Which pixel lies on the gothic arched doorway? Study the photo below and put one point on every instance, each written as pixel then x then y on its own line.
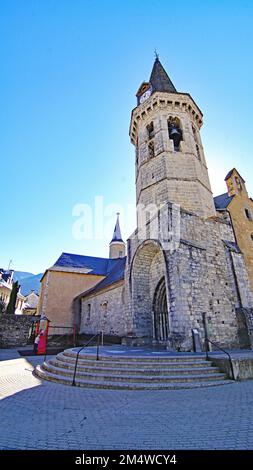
pixel 148 267
pixel 160 312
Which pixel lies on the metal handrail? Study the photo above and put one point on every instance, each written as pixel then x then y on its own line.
pixel 63 327
pixel 98 335
pixel 223 350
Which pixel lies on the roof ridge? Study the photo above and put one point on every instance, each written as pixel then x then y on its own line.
pixel 84 256
pixel 223 194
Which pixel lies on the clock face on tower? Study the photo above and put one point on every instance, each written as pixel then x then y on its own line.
pixel 145 95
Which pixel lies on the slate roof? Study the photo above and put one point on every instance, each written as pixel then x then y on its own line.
pixel 221 202
pixel 5 274
pixel 97 266
pixel 160 80
pixel 116 274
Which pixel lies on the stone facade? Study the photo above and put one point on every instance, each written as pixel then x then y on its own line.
pixel 205 274
pixel 104 311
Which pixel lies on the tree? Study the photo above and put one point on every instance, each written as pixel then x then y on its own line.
pixel 13 298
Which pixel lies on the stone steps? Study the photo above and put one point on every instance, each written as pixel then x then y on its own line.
pixel 99 367
pixel 40 372
pixel 131 372
pixel 132 378
pixel 112 362
pixel 71 353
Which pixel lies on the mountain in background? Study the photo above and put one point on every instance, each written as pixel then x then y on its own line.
pixel 20 275
pixel 28 281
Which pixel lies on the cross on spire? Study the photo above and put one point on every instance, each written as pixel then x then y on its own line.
pixel 156 54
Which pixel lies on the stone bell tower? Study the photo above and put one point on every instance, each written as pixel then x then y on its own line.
pixel 170 161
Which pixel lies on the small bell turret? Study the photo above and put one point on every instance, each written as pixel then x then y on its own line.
pixel 117 245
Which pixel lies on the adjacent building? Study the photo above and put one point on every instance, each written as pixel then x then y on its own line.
pixel 6 283
pixel 31 303
pixel 68 277
pixel 236 205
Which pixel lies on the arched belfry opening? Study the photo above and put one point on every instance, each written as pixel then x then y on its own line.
pixel 149 299
pixel 160 312
pixel 175 132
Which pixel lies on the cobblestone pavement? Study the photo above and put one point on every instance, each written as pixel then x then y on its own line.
pixel 44 415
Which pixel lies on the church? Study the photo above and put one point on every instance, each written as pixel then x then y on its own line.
pixel 182 273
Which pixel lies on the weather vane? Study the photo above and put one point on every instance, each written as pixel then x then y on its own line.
pixel 156 54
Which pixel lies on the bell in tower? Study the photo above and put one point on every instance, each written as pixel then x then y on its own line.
pixel 175 134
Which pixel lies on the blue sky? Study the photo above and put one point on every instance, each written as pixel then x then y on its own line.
pixel 69 74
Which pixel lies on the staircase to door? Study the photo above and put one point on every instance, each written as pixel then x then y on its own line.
pixel 115 371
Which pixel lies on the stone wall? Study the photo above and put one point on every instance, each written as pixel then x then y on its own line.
pixel 242 366
pixel 104 311
pixel 14 330
pixel 203 275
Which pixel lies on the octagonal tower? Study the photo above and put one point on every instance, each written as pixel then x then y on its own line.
pixel 170 161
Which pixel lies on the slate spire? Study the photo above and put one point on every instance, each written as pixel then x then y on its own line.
pixel 117 232
pixel 159 78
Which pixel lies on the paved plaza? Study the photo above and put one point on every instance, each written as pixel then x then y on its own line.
pixel 44 415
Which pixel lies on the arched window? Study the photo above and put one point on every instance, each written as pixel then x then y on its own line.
pixel 251 236
pixel 238 183
pixel 136 155
pixel 151 132
pixel 151 135
pixel 196 141
pixel 248 214
pixel 198 152
pixel 151 149
pixel 175 132
pixel 194 134
pixel 137 151
pixel 88 312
